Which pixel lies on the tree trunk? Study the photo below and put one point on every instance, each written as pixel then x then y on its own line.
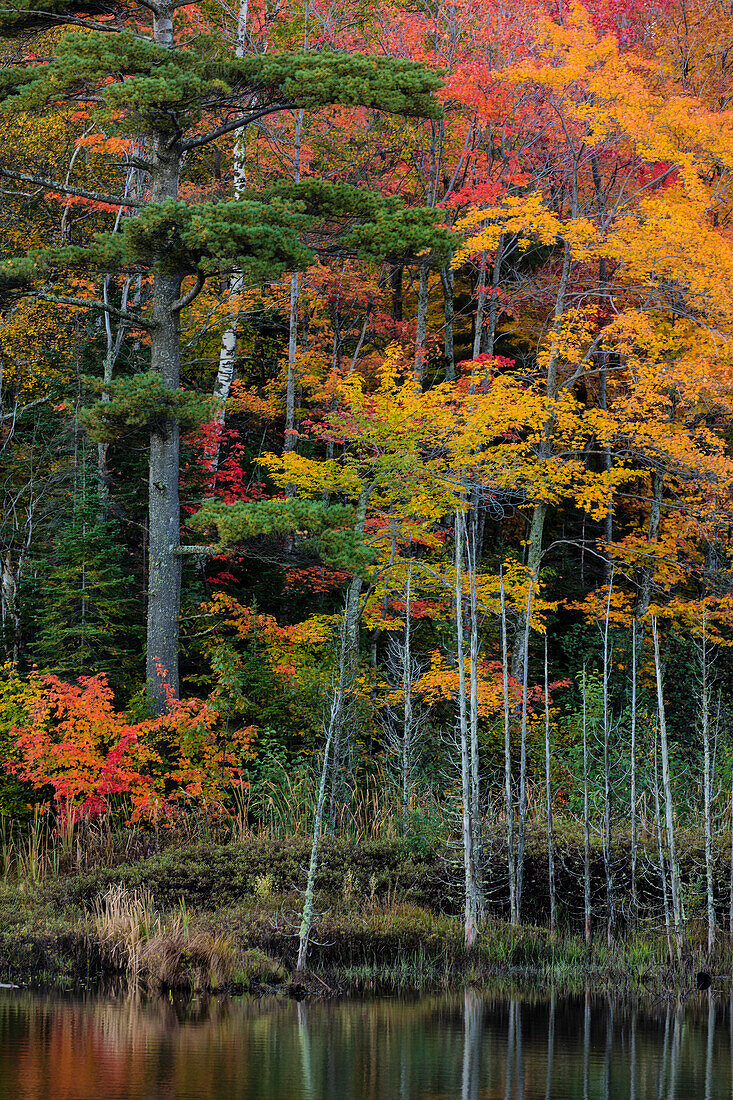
pixel 476 824
pixel 334 723
pixel 291 441
pixel 539 512
pixel 523 757
pixel 610 900
pixel 407 688
pixel 471 893
pixel 480 306
pixel 423 295
pixel 228 348
pixel 446 279
pixel 660 850
pixel 668 807
pixel 488 332
pixel 586 828
pixel 164 520
pixel 708 782
pixel 548 796
pixel 632 780
pixel 647 571
pixel 508 793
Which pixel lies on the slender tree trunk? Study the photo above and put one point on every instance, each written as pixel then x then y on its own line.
pixel 548 794
pixel 446 278
pixel 476 823
pixel 731 887
pixel 708 782
pixel 228 348
pixel 471 894
pixel 407 687
pixel 353 618
pixel 610 902
pixel 488 332
pixel 647 571
pixel 523 757
pixel 632 784
pixel 586 826
pixel 660 850
pixel 668 807
pixel 334 723
pixel 290 441
pixel 539 512
pixel 508 793
pixel 423 295
pixel 534 558
pixel 480 305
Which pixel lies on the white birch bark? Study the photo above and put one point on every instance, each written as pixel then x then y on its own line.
pixel 708 781
pixel 632 790
pixel 334 724
pixel 586 826
pixel 548 799
pixel 508 793
pixel 471 896
pixel 668 805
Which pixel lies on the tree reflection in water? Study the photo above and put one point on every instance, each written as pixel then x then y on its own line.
pixel 474 1046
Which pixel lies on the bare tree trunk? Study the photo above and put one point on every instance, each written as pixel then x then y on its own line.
pixel 632 791
pixel 647 571
pixel 407 687
pixel 610 903
pixel 523 756
pixel 353 618
pixel 228 348
pixel 508 793
pixel 539 512
pixel 660 849
pixel 488 334
pixel 708 781
pixel 668 807
pixel 446 278
pixel 480 305
pixel 731 891
pixel 291 441
pixel 471 546
pixel 423 295
pixel 548 794
pixel 334 723
pixel 471 894
pixel 586 827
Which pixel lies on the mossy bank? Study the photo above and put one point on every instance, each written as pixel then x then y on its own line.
pixel 225 917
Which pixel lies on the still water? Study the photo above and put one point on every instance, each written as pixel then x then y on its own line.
pixel 468 1047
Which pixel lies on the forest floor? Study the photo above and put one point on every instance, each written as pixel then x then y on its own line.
pixel 208 917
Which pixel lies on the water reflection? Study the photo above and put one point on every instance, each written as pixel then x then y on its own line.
pixel 470 1047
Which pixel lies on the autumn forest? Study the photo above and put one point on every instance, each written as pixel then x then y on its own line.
pixel 366 384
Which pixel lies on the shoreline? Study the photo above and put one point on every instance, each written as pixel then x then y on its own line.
pixel 223 918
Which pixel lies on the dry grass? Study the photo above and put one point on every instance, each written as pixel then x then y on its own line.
pixel 160 953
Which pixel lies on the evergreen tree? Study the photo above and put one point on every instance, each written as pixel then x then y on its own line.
pixel 142 78
pixel 86 618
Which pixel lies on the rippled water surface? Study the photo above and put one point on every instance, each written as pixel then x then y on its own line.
pixel 469 1047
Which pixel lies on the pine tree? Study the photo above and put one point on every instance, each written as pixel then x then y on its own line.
pixel 86 620
pixel 138 75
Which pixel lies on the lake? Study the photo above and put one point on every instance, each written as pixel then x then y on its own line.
pixel 468 1047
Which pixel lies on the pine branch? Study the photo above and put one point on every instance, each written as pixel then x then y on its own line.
pixel 192 294
pixel 235 124
pixel 89 303
pixel 67 189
